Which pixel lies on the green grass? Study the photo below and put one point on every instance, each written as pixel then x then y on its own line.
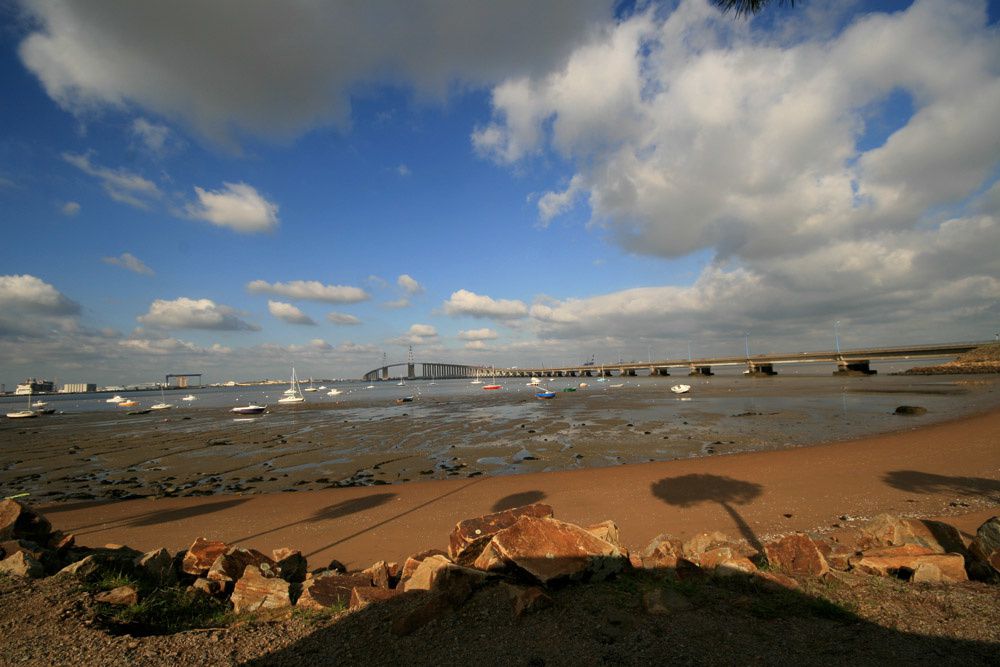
pixel 165 611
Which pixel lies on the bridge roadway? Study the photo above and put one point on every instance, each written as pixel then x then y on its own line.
pixel 849 362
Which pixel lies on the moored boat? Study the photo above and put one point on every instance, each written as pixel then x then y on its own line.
pixel 681 388
pixel 249 409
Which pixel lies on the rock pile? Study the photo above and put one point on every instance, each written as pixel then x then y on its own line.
pixel 525 550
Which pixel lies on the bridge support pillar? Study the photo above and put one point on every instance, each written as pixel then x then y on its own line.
pixel 760 370
pixel 385 373
pixel 856 367
pixel 701 370
pixel 585 373
pixel 660 372
pixel 605 373
pixel 410 374
pixel 571 374
pixel 627 372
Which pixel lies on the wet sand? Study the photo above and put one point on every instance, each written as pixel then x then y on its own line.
pixel 946 469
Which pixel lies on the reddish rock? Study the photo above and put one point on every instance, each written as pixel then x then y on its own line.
pixel 527 599
pixel 951 566
pixel 607 531
pixel 290 564
pixel 254 592
pixel 17 521
pixel 926 573
pixel 21 564
pixel 231 565
pixel 11 547
pixel 379 573
pixel 547 549
pixel 985 545
pixel 158 564
pixel 901 550
pixel 330 589
pixel 776 580
pixel 201 555
pixel 635 561
pixel 362 596
pixel 61 542
pixel 209 586
pixel 837 555
pixel 702 542
pixel 662 552
pixel 470 536
pixel 796 554
pixel 886 530
pixel 723 561
pixel 123 596
pixel 414 561
pixel 437 573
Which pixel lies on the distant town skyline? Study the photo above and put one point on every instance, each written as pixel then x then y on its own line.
pixel 234 189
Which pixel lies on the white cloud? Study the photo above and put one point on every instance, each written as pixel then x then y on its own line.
pixel 418 334
pixel 152 135
pixel 129 261
pixel 403 170
pixel 94 55
pixel 310 290
pixel 343 319
pixel 477 334
pixel 237 206
pixel 397 303
pixel 185 313
pixel 121 185
pixel 409 285
pixel 30 306
pixel 476 345
pixel 552 204
pixel 423 331
pixel 464 302
pixel 288 313
pixel 70 208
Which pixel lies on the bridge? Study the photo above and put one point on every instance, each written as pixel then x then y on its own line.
pixel 849 362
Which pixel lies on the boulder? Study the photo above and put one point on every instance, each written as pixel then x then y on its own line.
pixel 777 581
pixel 17 521
pixel 290 564
pixel 413 562
pixel 607 531
pixel 662 552
pixel 527 599
pixel 201 555
pixel 903 562
pixel 985 545
pixel 910 410
pixel 21 564
pixel 470 536
pixel 231 565
pixel 362 596
pixel 254 592
pixel 927 573
pixel 379 573
pixel 157 564
pixel 702 542
pixel 83 569
pixel 796 554
pixel 123 596
pixel 437 573
pixel 886 530
pixel 11 547
pixel 838 556
pixel 330 589
pixel 61 542
pixel 547 549
pixel 723 561
pixel 209 587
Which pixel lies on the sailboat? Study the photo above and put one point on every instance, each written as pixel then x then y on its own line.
pixel 162 405
pixel 293 394
pixel 494 386
pixel 477 380
pixel 310 387
pixel 23 414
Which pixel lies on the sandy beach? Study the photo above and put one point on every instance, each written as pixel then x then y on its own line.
pixel 947 469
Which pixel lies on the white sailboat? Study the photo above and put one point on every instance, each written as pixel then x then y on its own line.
pixel 310 387
pixel 23 414
pixel 477 380
pixel 293 394
pixel 190 397
pixel 162 405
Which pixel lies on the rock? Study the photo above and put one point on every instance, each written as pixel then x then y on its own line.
pixel 903 561
pixel 838 556
pixel 330 589
pixel 662 552
pixel 362 596
pixel 60 542
pixel 253 592
pixel 11 547
pixel 985 545
pixel 607 531
pixel 231 565
pixel 17 521
pixel 157 564
pixel 201 555
pixel 777 581
pixel 123 596
pixel 547 549
pixel 336 566
pixel 926 573
pixel 470 536
pixel 290 564
pixel 379 573
pixel 414 561
pixel 437 573
pixel 82 569
pixel 910 410
pixel 527 599
pixel 21 564
pixel 703 542
pixel 886 530
pixel 722 561
pixel 796 554
pixel 209 587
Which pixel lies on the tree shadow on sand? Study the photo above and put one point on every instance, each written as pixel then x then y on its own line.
pixel 690 490
pixel 915 481
pixel 351 506
pixel 518 500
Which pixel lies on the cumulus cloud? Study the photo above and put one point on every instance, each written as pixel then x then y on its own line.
pixel 121 185
pixel 478 334
pixel 108 54
pixel 70 208
pixel 152 136
pixel 288 313
pixel 185 313
pixel 418 334
pixel 396 304
pixel 237 206
pixel 310 290
pixel 343 319
pixel 423 331
pixel 464 302
pixel 409 285
pixel 127 260
pixel 30 306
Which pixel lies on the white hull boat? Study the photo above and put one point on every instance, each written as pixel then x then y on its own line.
pixel 293 394
pixel 681 388
pixel 249 409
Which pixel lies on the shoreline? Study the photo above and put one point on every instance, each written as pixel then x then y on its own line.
pixel 915 472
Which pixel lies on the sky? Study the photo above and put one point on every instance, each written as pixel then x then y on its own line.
pixel 235 188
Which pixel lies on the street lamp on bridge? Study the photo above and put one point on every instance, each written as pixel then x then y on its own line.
pixel 747 338
pixel 836 336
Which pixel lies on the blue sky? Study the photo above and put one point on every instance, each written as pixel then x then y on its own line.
pixel 206 187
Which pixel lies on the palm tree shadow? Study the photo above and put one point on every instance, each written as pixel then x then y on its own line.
pixel 915 481
pixel 690 490
pixel 351 506
pixel 518 500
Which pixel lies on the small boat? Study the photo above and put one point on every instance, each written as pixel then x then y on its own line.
pixel 310 387
pixel 534 381
pixel 494 386
pixel 249 409
pixel 293 394
pixel 39 404
pixel 128 403
pixel 405 399
pixel 545 394
pixel 162 405
pixel 401 383
pixel 139 412
pixel 334 392
pixel 22 414
pixel 371 386
pixel 46 411
pixel 115 399
pixel 190 397
pixel 681 388
pixel 322 387
pixel 569 388
pixel 615 386
pixel 584 385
